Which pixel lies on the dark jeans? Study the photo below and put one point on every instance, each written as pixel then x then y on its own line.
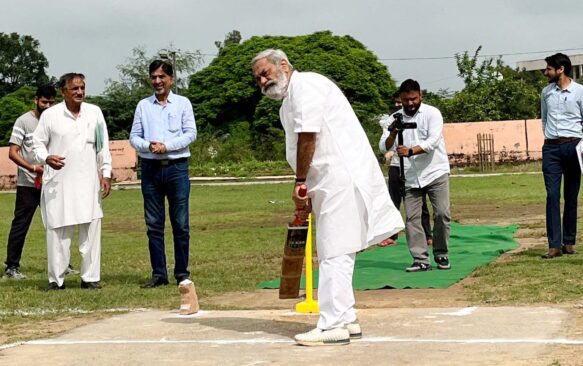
pixel 27 200
pixel 171 182
pixel 395 193
pixel 558 161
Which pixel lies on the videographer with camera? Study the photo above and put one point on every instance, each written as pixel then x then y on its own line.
pixel 421 150
pixel 396 188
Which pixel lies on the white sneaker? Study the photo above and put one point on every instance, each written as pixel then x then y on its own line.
pixel 318 337
pixel 354 330
pixel 13 273
pixel 71 271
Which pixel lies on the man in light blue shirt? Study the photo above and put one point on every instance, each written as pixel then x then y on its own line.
pixel 163 129
pixel 562 118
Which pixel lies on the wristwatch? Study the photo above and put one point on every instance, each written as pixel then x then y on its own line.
pixel 410 152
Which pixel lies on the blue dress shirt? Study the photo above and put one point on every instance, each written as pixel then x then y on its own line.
pixel 562 111
pixel 171 124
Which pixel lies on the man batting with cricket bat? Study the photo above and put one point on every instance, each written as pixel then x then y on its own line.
pixel 330 154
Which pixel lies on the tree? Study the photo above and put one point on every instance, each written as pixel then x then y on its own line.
pixel 13 106
pixel 134 74
pixel 226 95
pixel 233 37
pixel 120 98
pixel 492 92
pixel 21 63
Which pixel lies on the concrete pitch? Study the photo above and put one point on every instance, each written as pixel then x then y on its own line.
pixel 397 336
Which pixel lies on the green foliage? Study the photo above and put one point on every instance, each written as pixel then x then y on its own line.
pixel 21 62
pixel 225 93
pixel 118 105
pixel 13 106
pixel 233 37
pixel 119 100
pixel 244 169
pixel 221 148
pixel 24 94
pixel 492 92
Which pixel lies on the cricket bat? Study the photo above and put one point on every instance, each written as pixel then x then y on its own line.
pixel 293 256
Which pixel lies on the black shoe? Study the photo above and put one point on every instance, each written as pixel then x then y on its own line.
pixel 53 286
pixel 90 285
pixel 418 267
pixel 442 262
pixel 155 282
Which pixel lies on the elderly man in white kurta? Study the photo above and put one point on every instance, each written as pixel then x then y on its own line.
pixel 329 151
pixel 72 140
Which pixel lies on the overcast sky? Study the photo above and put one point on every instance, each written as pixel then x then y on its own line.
pixel 93 37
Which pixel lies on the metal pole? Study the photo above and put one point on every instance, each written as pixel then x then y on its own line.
pixel 492 150
pixel 480 151
pixel 401 165
pixel 526 138
pixel 173 54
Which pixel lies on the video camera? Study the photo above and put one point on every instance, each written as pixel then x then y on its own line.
pixel 398 124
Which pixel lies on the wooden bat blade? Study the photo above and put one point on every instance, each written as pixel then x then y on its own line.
pixel 293 262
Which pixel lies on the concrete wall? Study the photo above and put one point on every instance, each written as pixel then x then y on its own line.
pixel 124 164
pixel 513 140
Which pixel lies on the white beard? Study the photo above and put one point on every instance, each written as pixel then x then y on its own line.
pixel 277 88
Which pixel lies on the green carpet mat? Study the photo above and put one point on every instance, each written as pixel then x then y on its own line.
pixel 469 247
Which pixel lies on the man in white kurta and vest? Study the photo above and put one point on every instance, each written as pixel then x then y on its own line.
pixel 72 140
pixel 330 154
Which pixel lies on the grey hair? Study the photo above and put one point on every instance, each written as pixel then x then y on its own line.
pixel 274 56
pixel 65 79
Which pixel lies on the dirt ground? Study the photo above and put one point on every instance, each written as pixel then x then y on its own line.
pixel 530 234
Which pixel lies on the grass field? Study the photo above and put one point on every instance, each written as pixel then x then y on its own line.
pixel 237 235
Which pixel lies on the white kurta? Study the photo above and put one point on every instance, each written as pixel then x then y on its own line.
pixel 349 196
pixel 70 196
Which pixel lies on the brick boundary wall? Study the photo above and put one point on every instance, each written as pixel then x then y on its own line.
pixel 513 141
pixel 124 164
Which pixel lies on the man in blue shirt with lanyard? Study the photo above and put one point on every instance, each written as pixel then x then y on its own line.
pixel 162 130
pixel 562 115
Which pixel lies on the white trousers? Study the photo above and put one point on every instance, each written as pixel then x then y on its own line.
pixel 335 293
pixel 59 253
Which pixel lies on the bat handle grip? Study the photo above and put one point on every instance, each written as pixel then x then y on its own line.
pixel 303 191
pixel 38 181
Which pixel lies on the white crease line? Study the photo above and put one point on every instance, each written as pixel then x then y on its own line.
pixel 199 314
pixel 472 341
pixel 289 341
pixel 10 345
pixel 33 312
pixel 161 341
pixel 462 312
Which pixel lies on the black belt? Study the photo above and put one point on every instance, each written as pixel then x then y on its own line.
pixel 561 140
pixel 165 162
